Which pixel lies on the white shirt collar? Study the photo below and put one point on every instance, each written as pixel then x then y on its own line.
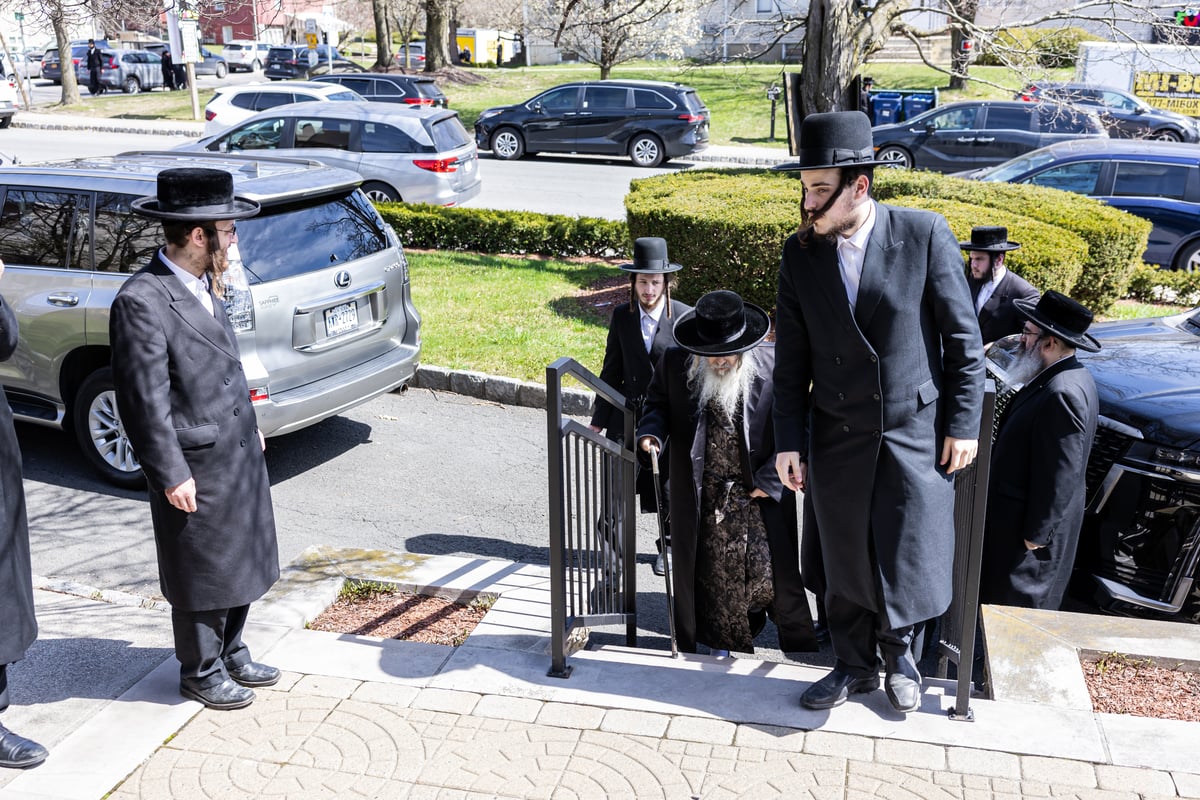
pixel 197 286
pixel 858 239
pixel 656 313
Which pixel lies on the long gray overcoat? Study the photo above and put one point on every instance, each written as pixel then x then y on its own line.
pixel 868 397
pixel 185 405
pixel 18 625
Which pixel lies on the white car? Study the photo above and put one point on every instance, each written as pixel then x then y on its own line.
pixel 232 104
pixel 8 101
pixel 245 55
pixel 22 66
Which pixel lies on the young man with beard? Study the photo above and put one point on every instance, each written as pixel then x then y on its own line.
pixel 993 286
pixel 1036 495
pixel 185 405
pixel 734 526
pixel 638 334
pixel 878 390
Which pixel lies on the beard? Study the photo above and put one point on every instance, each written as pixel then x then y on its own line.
pixel 726 389
pixel 809 219
pixel 1025 366
pixel 216 266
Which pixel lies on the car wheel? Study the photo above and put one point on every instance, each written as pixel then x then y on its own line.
pixel 1166 135
pixel 646 150
pixel 896 157
pixel 221 71
pixel 508 144
pixel 256 66
pixel 378 192
pixel 1188 259
pixel 5 122
pixel 101 435
pixel 131 85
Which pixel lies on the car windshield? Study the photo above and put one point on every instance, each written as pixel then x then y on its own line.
pixel 1017 166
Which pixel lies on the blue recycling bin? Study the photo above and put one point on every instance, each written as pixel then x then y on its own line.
pixel 885 107
pixel 916 103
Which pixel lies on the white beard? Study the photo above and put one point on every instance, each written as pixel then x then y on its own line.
pixel 1025 367
pixel 727 389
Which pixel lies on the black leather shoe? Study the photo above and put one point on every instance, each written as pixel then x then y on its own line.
pixel 834 688
pixel 18 752
pixel 661 563
pixel 821 631
pixel 225 696
pixel 255 674
pixel 902 682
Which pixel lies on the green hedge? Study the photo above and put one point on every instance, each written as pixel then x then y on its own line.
pixel 483 230
pixel 1050 48
pixel 1152 285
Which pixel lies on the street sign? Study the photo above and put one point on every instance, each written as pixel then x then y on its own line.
pixel 312 57
pixel 310 26
pixel 312 40
pixel 19 17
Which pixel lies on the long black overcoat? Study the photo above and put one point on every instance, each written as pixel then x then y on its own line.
pixel 18 625
pixel 999 317
pixel 1036 490
pixel 673 416
pixel 881 387
pixel 185 405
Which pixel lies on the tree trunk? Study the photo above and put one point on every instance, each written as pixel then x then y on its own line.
pixel 70 86
pixel 437 35
pixel 383 34
pixel 960 58
pixel 838 37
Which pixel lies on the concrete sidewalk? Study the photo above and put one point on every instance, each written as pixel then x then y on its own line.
pixel 362 717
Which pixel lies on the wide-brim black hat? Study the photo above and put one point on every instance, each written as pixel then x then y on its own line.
pixel 195 194
pixel 989 239
pixel 1060 316
pixel 721 324
pixel 835 139
pixel 650 257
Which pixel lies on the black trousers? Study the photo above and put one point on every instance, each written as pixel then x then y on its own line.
pixel 208 643
pixel 859 636
pixel 790 609
pixel 3 687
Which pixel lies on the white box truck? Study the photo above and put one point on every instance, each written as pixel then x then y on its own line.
pixel 1164 75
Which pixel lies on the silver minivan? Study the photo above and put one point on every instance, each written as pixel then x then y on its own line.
pixel 324 316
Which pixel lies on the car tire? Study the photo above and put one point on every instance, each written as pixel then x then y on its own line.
pixel 895 157
pixel 508 144
pixel 221 71
pixel 646 150
pixel 131 85
pixel 5 122
pixel 378 192
pixel 256 66
pixel 101 436
pixel 1188 259
pixel 1166 135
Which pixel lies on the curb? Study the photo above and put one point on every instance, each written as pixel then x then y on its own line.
pixel 43 125
pixel 498 389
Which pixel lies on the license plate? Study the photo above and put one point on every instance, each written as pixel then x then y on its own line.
pixel 341 319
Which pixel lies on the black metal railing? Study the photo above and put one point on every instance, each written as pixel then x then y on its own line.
pixel 593 518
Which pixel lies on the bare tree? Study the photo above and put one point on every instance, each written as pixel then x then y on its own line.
pixel 383 34
pixel 611 32
pixel 406 14
pixel 437 34
pixel 60 14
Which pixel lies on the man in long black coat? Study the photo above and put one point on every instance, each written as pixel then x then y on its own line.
pixel 186 408
pixel 638 334
pixel 994 286
pixel 722 327
pixel 878 390
pixel 94 61
pixel 1036 494
pixel 18 625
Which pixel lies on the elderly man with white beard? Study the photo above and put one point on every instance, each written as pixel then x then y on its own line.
pixel 733 527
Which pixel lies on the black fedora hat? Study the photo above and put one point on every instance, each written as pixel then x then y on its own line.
pixel 195 194
pixel 721 324
pixel 1060 316
pixel 989 239
pixel 834 139
pixel 650 256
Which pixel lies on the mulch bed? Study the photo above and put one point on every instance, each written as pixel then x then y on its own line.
pixel 1120 684
pixel 402 615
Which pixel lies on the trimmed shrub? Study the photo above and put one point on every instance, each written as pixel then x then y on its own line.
pixel 1050 48
pixel 1152 285
pixel 519 232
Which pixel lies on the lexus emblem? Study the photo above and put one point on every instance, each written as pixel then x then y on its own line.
pixel 342 279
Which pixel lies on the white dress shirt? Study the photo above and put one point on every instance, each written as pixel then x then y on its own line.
pixel 988 289
pixel 197 286
pixel 650 322
pixel 852 251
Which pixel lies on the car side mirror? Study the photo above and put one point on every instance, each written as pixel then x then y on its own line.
pixel 222 146
pixel 537 107
pixel 1139 110
pixel 930 127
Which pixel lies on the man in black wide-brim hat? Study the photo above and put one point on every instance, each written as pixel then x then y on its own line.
pixel 186 408
pixel 994 286
pixel 878 390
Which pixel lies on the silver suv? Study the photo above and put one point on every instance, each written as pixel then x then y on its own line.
pixel 324 315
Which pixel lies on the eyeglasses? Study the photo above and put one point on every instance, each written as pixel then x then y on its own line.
pixel 232 231
pixel 1035 334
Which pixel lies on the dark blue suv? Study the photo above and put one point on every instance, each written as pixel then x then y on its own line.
pixel 1158 181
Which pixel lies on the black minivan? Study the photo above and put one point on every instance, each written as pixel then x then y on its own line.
pixel 649 121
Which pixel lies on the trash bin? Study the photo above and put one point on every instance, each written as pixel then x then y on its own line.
pixel 916 103
pixel 886 107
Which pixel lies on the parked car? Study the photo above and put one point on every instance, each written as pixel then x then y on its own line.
pixel 246 56
pixel 980 133
pixel 131 71
pixel 1139 548
pixel 324 319
pixel 415 57
pixel 649 121
pixel 290 62
pixel 8 101
pixel 1125 115
pixel 1158 181
pixel 413 90
pixel 232 104
pixel 21 66
pixel 414 155
pixel 210 63
pixel 52 63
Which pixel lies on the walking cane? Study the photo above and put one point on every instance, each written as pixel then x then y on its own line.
pixel 662 542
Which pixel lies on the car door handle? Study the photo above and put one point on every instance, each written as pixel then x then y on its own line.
pixel 65 300
pixel 585 113
pixel 966 139
pixel 987 140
